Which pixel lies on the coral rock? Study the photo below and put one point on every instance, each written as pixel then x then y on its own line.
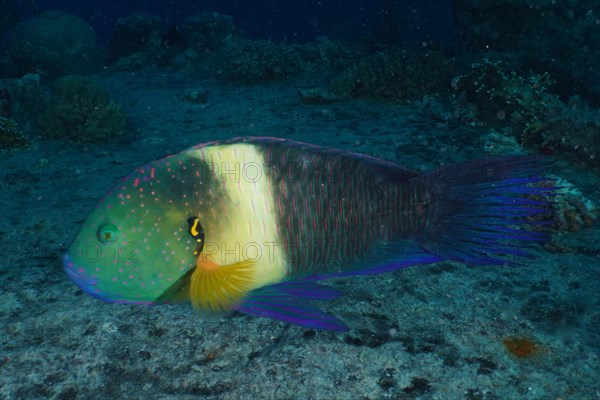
pixel 81 111
pixel 52 44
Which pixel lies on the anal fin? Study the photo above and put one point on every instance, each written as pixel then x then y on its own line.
pixel 287 302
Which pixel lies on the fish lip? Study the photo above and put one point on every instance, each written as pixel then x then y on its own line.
pixel 83 282
pixel 71 268
pixel 73 275
pixel 80 280
pixel 68 266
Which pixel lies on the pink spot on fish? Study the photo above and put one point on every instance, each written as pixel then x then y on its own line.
pixel 136 182
pixel 279 206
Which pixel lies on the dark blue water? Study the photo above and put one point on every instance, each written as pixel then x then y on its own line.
pixel 289 20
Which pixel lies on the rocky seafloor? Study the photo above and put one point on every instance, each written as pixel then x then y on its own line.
pixel 442 331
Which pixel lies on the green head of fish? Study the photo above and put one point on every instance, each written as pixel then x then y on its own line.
pixel 135 246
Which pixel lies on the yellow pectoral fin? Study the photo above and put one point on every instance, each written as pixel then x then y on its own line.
pixel 218 288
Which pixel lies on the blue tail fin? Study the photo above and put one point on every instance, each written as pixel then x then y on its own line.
pixel 484 209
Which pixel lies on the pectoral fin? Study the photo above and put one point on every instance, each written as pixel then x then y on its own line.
pixel 218 288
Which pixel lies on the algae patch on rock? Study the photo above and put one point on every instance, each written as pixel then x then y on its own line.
pixel 10 136
pixel 81 110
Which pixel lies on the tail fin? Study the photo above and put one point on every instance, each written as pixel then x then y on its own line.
pixel 483 209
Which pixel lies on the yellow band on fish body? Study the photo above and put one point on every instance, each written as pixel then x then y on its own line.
pixel 248 229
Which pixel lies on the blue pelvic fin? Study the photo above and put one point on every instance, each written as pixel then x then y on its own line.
pixel 485 209
pixel 288 302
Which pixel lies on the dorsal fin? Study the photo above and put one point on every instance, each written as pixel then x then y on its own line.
pixel 388 170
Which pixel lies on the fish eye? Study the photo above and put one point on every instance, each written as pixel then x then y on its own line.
pixel 107 233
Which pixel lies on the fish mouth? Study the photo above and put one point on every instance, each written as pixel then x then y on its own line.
pixel 90 285
pixel 69 267
pixel 83 281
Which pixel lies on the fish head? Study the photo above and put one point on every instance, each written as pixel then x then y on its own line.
pixel 135 245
